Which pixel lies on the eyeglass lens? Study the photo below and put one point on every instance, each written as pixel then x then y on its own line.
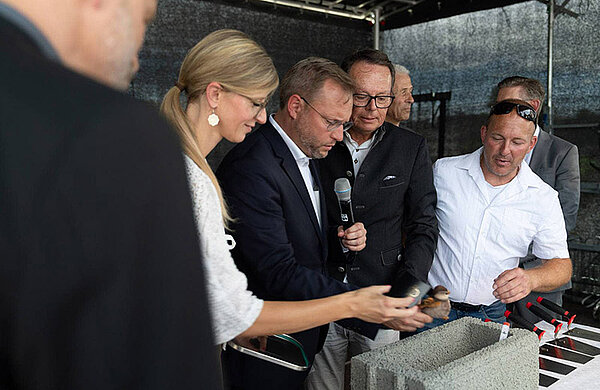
pixel 331 125
pixel 381 101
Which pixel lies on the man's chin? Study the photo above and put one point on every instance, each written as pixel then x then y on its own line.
pixel 503 172
pixel 366 127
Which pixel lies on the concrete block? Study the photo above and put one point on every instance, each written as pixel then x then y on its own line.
pixel 462 354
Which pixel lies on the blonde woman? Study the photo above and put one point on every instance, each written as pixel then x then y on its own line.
pixel 227 79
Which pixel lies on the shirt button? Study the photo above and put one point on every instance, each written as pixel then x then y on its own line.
pixel 341 269
pixel 348 173
pixel 355 161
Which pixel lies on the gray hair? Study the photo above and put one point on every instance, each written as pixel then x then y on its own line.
pixel 401 69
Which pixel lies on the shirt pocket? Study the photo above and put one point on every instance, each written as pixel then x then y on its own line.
pixel 391 256
pixel 390 182
pixel 517 231
pixel 391 190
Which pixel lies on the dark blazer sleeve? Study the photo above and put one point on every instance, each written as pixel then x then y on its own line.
pixel 419 220
pixel 138 310
pixel 568 186
pixel 101 280
pixel 277 247
pixel 104 262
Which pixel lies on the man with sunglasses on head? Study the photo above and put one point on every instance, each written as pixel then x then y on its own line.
pixel 556 162
pixel 491 207
pixel 389 170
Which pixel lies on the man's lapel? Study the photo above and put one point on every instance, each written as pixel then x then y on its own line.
pixel 540 151
pixel 314 170
pixel 289 166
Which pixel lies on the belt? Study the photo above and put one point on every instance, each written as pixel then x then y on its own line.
pixel 460 306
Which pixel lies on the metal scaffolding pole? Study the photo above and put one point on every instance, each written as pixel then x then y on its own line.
pixel 550 54
pixel 377 17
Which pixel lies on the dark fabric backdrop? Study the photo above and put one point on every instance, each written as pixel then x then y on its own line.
pixel 180 24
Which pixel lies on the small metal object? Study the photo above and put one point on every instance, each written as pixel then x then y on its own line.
pixel 565 354
pixel 584 334
pixel 574 345
pixel 546 380
pixel 554 366
pixel 504 331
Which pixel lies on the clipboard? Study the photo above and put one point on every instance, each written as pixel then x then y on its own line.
pixel 282 349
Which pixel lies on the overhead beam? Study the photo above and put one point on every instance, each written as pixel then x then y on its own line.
pixel 561 9
pixel 376 23
pixel 325 7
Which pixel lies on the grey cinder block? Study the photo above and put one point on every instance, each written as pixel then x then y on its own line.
pixel 463 354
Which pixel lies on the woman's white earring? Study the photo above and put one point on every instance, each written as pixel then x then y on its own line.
pixel 213 119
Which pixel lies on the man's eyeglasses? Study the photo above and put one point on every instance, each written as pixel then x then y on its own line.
pixel 331 125
pixel 523 110
pixel 363 100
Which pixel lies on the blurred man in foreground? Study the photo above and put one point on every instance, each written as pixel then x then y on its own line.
pixel 100 280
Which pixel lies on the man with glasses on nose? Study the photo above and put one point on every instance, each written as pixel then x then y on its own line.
pixel 389 170
pixel 491 207
pixel 272 186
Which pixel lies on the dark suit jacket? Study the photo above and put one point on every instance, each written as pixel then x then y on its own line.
pixel 280 246
pixel 394 197
pixel 101 283
pixel 556 162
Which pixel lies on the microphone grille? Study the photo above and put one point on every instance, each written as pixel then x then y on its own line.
pixel 342 188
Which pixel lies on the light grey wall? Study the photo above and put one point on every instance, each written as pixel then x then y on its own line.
pixel 469 54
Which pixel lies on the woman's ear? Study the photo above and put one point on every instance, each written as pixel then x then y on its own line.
pixel 214 93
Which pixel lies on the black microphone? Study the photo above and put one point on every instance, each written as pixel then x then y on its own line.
pixel 342 190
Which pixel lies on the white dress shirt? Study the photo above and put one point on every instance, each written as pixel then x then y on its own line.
pixel 359 152
pixel 302 161
pixel 484 231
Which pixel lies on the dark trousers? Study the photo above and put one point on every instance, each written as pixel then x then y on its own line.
pixel 243 372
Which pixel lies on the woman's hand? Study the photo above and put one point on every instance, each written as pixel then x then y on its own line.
pixel 369 304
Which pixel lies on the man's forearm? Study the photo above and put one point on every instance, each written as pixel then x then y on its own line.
pixel 551 274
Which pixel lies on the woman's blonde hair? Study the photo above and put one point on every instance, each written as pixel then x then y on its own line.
pixel 230 58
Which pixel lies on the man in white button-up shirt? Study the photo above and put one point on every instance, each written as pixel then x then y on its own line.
pixel 491 206
pixel 556 162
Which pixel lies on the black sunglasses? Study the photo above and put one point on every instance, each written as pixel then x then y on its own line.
pixel 524 111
